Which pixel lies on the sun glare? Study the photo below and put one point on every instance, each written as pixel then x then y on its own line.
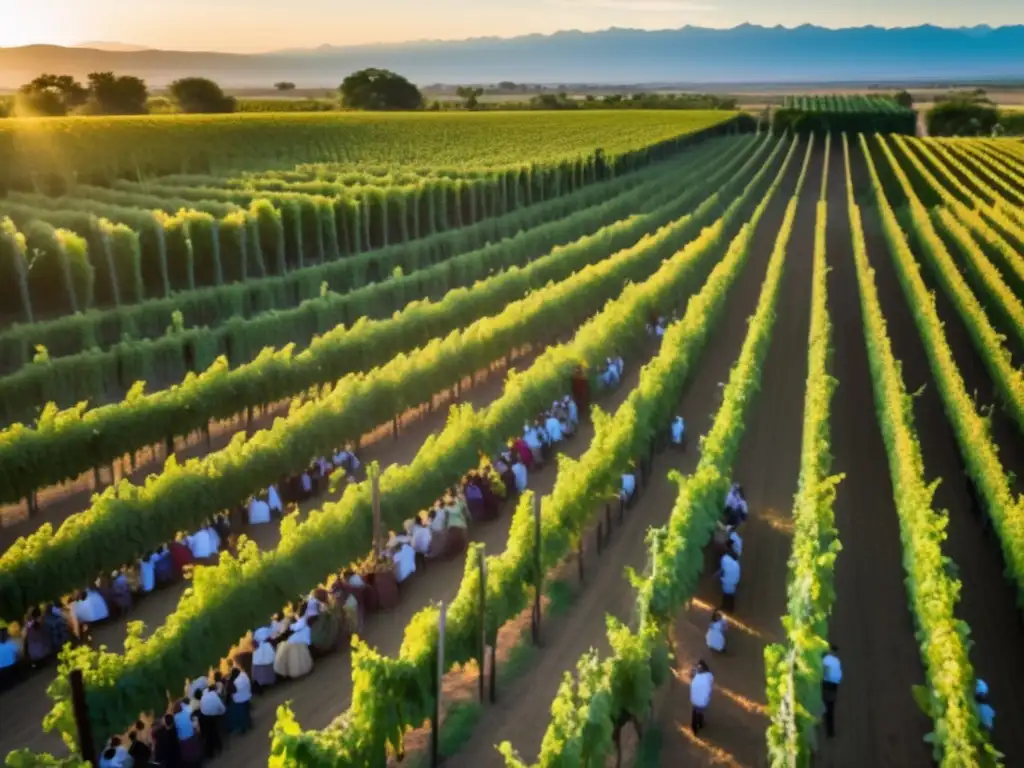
pixel 39 22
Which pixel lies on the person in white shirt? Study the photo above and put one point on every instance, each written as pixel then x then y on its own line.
pixel 312 607
pixel 201 544
pixel 701 685
pixel 734 541
pixel 198 685
pixel 620 366
pixel 729 571
pixel 404 557
pixel 610 377
pixel 307 484
pixel 678 431
pixel 554 429
pixel 736 510
pixel 261 634
pixel 211 704
pixel 628 486
pixel 278 625
pixel 90 607
pixel 263 665
pixel 574 411
pixel 147 572
pixel 519 470
pixel 111 758
pixel 421 537
pixel 259 511
pixel 240 707
pixel 274 500
pixel 438 519
pixel 211 718
pixel 533 440
pixel 715 636
pixel 832 676
pixel 300 633
pixel 115 755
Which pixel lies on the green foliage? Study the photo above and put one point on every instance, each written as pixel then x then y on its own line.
pixel 111 94
pixel 279 374
pixel 962 117
pixel 581 488
pixel 835 113
pixel 50 96
pixel 50 279
pixel 793 670
pixel 583 718
pixel 198 95
pixel 379 89
pixel 14 291
pixel 80 148
pixel 958 739
pixel 254 583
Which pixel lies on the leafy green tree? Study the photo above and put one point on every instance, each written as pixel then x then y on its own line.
pixel 50 95
pixel 199 95
pixel 284 86
pixel 470 96
pixel 962 118
pixel 379 89
pixel 110 94
pixel 904 99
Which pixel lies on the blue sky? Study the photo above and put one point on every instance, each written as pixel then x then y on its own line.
pixel 259 25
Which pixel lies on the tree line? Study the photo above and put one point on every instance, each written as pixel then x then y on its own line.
pixel 972 113
pixel 105 93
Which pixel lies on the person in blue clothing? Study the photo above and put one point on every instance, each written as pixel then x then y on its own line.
pixel 832 676
pixel 986 714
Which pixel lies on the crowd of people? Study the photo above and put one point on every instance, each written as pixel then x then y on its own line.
pixel 323 621
pixel 728 548
pixel 45 630
pixel 728 545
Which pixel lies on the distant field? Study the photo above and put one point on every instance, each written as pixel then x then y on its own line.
pixel 164 144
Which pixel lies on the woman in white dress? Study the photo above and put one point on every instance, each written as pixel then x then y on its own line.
pixel 715 636
pixel 293 658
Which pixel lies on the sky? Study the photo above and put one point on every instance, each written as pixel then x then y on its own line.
pixel 263 25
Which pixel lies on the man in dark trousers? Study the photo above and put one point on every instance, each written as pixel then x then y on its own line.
pixel 831 678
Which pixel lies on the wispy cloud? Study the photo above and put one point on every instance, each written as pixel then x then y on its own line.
pixel 641 6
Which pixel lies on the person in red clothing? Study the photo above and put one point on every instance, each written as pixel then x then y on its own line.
pixel 520 447
pixel 181 556
pixel 581 391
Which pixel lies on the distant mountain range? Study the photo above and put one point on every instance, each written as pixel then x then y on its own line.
pixel 692 55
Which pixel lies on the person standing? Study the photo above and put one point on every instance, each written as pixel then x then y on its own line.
pixel 729 572
pixel 986 713
pixel 832 676
pixel 700 694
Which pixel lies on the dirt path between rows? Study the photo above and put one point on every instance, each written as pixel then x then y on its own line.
pixel 768 466
pixel 523 713
pixel 987 601
pixel 877 721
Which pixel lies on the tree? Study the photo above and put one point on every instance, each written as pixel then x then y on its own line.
pixel 199 95
pixel 962 118
pixel 284 86
pixel 470 96
pixel 50 95
pixel 113 95
pixel 904 99
pixel 379 89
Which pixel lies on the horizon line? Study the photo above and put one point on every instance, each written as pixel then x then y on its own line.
pixel 138 48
